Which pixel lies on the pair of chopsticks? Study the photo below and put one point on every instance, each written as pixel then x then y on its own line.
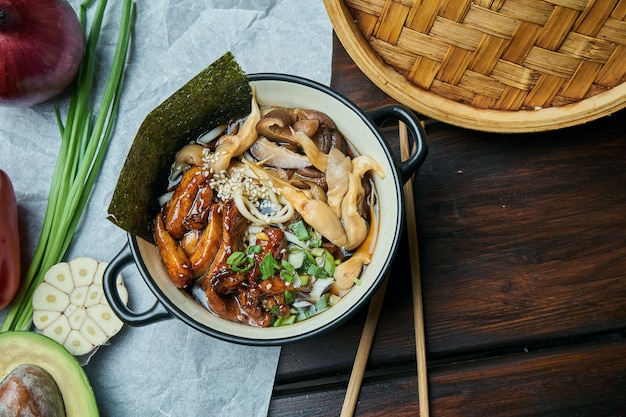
pixel 367 337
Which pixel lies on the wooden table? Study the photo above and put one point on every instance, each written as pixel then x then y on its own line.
pixel 523 259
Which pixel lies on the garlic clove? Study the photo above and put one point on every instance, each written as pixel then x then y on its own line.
pixel 77 344
pixel 60 276
pixel 77 318
pixel 79 295
pixel 92 332
pixel 94 295
pixel 42 319
pixel 58 330
pixel 106 319
pixel 50 298
pixel 83 270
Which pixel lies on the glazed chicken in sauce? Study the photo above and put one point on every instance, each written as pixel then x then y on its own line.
pixel 271 219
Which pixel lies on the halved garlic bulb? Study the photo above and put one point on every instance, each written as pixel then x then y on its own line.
pixel 69 306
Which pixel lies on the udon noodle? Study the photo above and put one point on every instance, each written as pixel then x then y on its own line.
pixel 271 219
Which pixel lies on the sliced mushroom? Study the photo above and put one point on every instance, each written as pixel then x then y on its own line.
pixel 327 136
pixel 318 158
pixel 302 177
pixel 363 163
pixel 347 272
pixel 275 125
pixel 306 114
pixel 188 155
pixel 337 178
pixel 229 146
pixel 354 225
pixel 308 127
pixel 277 156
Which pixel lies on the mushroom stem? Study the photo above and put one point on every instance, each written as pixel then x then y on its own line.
pixel 229 146
pixel 187 156
pixel 347 272
pixel 318 158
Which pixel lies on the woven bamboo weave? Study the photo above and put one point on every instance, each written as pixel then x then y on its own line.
pixel 492 65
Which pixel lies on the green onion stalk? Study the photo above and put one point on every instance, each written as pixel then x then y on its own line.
pixel 85 136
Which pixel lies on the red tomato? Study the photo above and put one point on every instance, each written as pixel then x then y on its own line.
pixel 9 242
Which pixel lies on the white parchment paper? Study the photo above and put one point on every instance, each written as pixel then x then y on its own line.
pixel 167 368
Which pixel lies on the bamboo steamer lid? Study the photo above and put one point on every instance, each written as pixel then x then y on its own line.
pixel 491 65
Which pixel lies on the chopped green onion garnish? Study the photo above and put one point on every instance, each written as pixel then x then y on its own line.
pixel 268 266
pixel 299 229
pixel 236 258
pixel 287 276
pixel 284 321
pixel 322 303
pixel 316 271
pixel 239 262
pixel 315 240
pixel 329 264
pixel 245 268
pixel 309 259
pixel 304 279
pixel 254 249
pixel 296 258
pixel 303 314
pixel 288 266
pixel 289 297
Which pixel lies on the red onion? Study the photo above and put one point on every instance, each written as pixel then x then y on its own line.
pixel 41 47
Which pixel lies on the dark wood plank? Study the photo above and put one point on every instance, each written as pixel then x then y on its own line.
pixel 587 380
pixel 348 80
pixel 580 381
pixel 522 238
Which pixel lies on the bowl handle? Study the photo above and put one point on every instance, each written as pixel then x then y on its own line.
pixel 399 112
pixel 155 313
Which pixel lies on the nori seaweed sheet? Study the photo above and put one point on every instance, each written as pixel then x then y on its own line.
pixel 217 95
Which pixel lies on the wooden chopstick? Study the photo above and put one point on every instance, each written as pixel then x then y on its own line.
pixel 418 310
pixel 363 351
pixel 371 321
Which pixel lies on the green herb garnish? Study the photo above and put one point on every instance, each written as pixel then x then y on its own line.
pixel 239 262
pixel 322 303
pixel 268 266
pixel 254 249
pixel 300 230
pixel 316 271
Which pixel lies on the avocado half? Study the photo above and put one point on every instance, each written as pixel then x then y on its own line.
pixel 24 347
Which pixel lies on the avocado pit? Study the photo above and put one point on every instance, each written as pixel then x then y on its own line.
pixel 29 390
